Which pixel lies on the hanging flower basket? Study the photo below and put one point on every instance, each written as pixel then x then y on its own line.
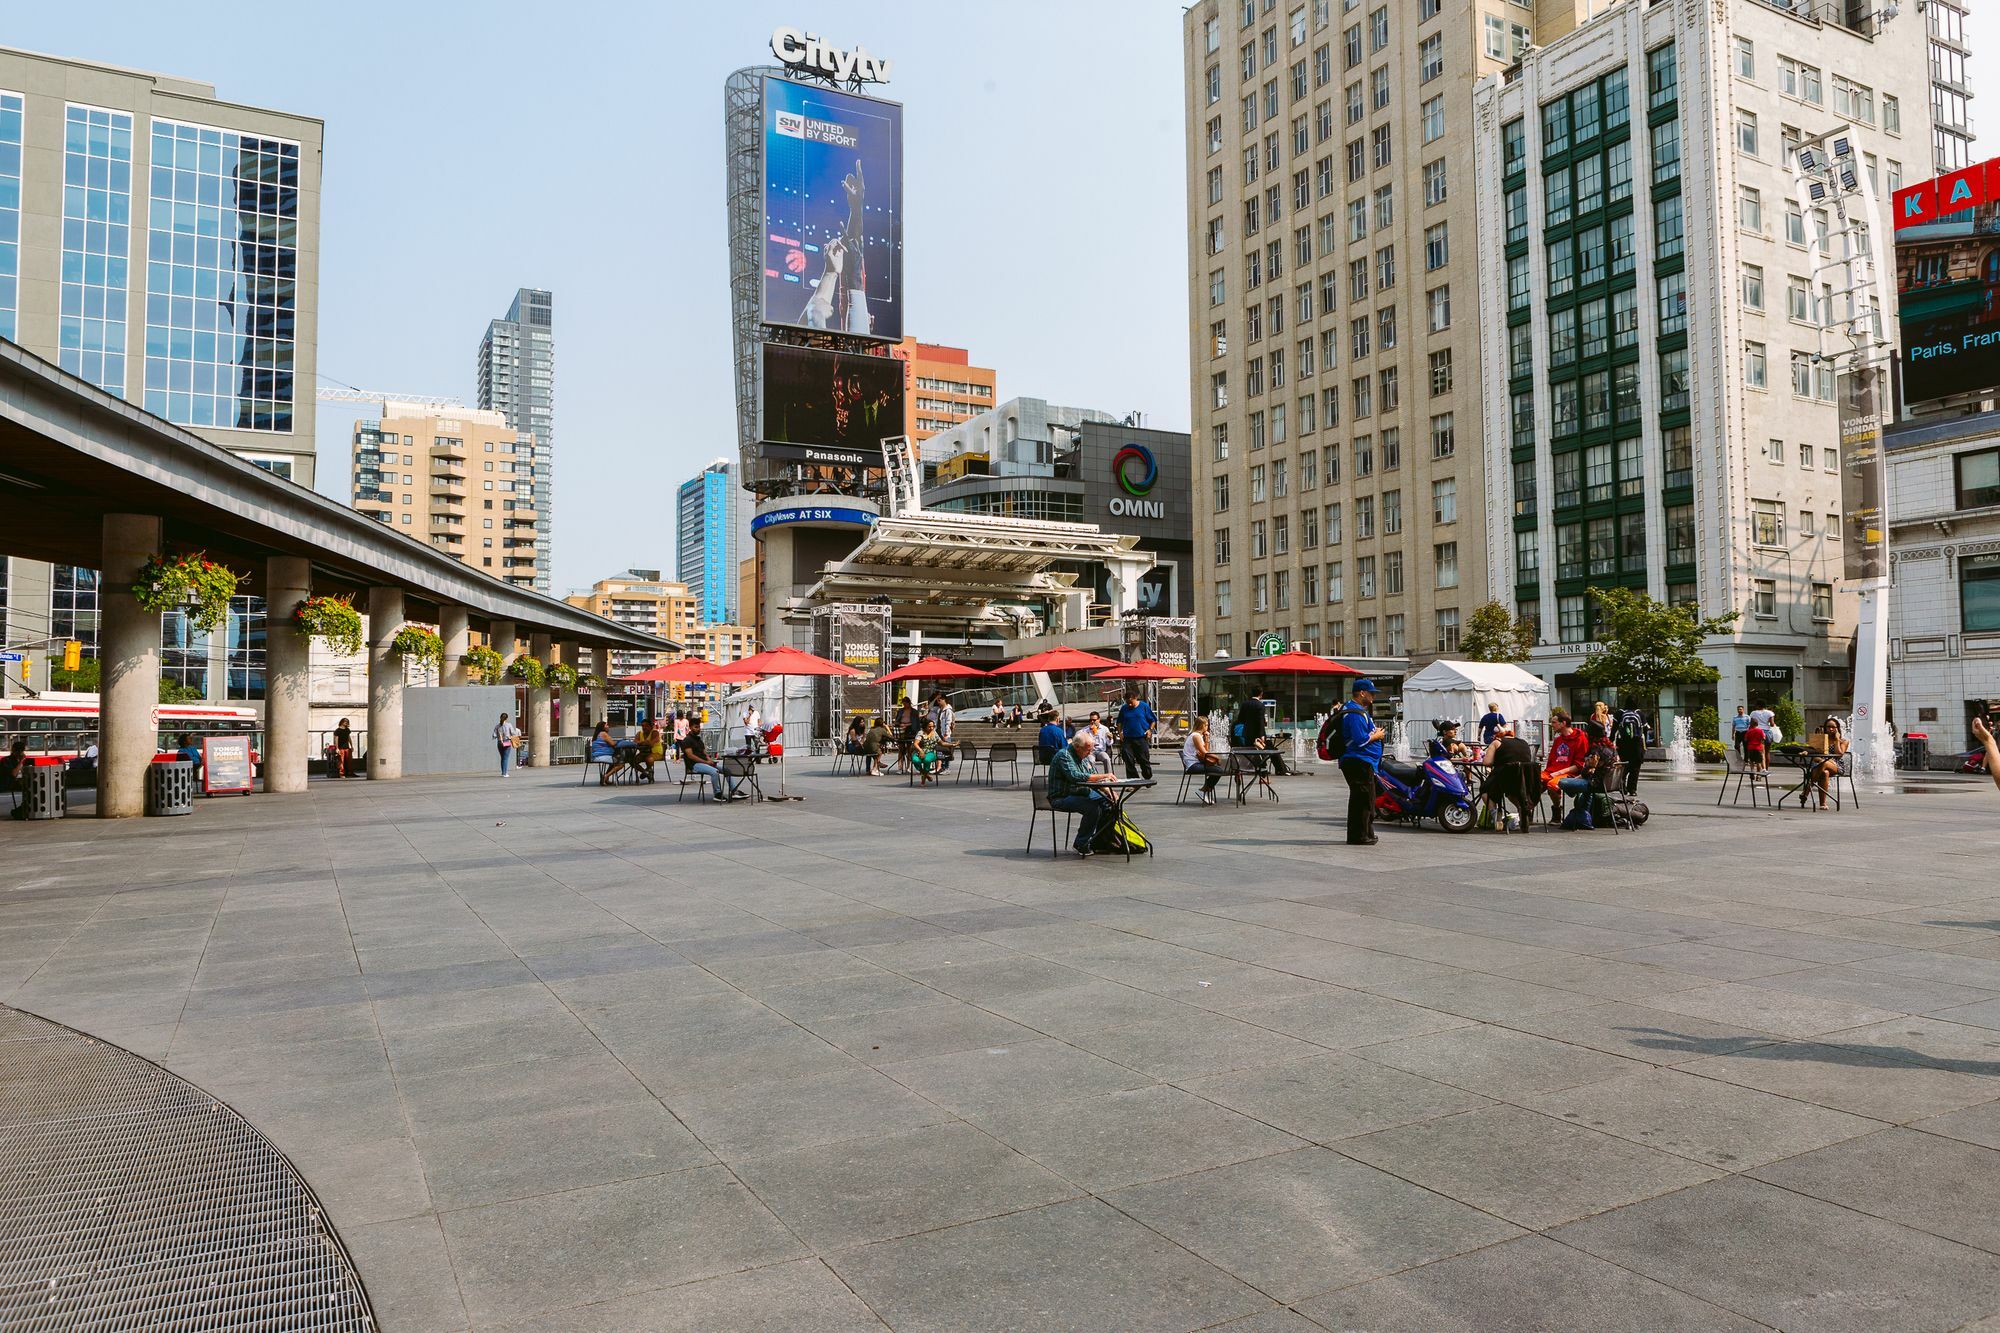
pixel 562 675
pixel 529 671
pixel 192 583
pixel 591 682
pixel 485 664
pixel 331 618
pixel 421 643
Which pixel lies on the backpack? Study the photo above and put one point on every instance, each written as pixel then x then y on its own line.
pixel 1332 739
pixel 1119 835
pixel 1579 818
pixel 1630 730
pixel 1633 810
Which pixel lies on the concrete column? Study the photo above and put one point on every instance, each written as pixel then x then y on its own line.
pixel 605 673
pixel 128 638
pixel 572 721
pixel 385 684
pixel 538 707
pixel 287 675
pixel 455 628
pixel 500 637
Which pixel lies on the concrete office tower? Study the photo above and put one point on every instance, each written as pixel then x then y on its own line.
pixel 945 388
pixel 1331 283
pixel 645 601
pixel 1650 313
pixel 712 537
pixel 1951 110
pixel 463 480
pixel 162 244
pixel 517 378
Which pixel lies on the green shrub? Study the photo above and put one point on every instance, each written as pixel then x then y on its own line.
pixel 1710 751
pixel 1706 723
pixel 1790 720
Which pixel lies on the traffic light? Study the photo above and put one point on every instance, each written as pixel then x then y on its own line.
pixel 27 670
pixel 72 654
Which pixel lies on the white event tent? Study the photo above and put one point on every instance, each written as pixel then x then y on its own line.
pixel 1460 692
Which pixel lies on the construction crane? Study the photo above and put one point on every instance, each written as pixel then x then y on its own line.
pixel 334 391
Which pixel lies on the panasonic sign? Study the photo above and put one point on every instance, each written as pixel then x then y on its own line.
pixel 815 55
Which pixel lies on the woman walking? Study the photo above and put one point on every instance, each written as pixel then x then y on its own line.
pixel 505 735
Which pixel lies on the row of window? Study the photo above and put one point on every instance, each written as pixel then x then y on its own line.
pixel 1322 525
pixel 1331 590
pixel 1444 490
pixel 1392 639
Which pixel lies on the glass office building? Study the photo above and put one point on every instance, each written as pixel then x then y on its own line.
pixel 517 377
pixel 10 210
pixel 712 520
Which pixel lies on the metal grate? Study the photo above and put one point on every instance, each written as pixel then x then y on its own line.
pixel 130 1199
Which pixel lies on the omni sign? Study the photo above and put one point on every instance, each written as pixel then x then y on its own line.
pixel 815 55
pixel 1136 471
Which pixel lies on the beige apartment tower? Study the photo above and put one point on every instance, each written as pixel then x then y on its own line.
pixel 461 479
pixel 1332 312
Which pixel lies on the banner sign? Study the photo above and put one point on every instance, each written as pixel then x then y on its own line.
pixel 811 514
pixel 225 764
pixel 1861 474
pixel 1948 284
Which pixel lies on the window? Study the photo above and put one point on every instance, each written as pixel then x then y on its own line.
pixel 1220 437
pixel 1335 584
pixel 1378 90
pixel 1392 513
pixel 1517 215
pixel 1618 173
pixel 1430 58
pixel 1556 197
pixel 1805 460
pixel 1753 286
pixel 1333 526
pixel 1385 327
pixel 1523 418
pixel 1441 375
pixel 1360 333
pixel 1590 256
pixel 1221 492
pixel 1364 398
pixel 1978 475
pixel 1677 458
pixel 1215 134
pixel 1435 187
pixel 1517 283
pixel 1385 268
pixel 1392 573
pixel 1746 132
pixel 1667 239
pixel 1446 554
pixel 1364 577
pixel 1746 58
pixel 1385 207
pixel 1437 247
pixel 1514 147
pixel 1978 593
pixel 1218 287
pixel 1444 500
pixel 1662 77
pixel 1572 625
pixel 1674 380
pixel 1281 536
pixel 1672 291
pixel 1555 127
pixel 1388 389
pixel 1764 598
pixel 1750 209
pixel 1222 598
pixel 1583 114
pixel 1589 193
pixel 1527 556
pixel 1822 601
pixel 1260 592
pixel 1756 368
pixel 1767 520
pixel 1380 143
pixel 1259 544
pixel 1433 119
pixel 1444 436
pixel 1524 487
pixel 1625 319
pixel 1666 152
pixel 1440 308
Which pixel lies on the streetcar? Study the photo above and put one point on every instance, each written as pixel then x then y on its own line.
pixel 60 726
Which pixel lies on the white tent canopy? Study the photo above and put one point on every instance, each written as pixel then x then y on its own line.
pixel 1460 692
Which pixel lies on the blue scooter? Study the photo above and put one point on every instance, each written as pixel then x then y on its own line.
pixel 1434 789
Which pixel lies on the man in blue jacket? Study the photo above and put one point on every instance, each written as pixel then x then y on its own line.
pixel 1135 729
pixel 1051 737
pixel 1360 756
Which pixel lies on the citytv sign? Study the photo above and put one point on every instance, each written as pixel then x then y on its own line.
pixel 813 54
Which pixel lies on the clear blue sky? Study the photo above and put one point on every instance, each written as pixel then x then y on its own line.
pixel 471 150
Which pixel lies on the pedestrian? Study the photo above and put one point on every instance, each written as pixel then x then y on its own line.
pixel 506 734
pixel 1490 724
pixel 343 750
pixel 1984 735
pixel 1563 770
pixel 1136 721
pixel 1510 776
pixel 1360 756
pixel 924 753
pixel 1756 750
pixel 1051 737
pixel 1070 789
pixel 944 719
pixel 1100 741
pixel 875 742
pixel 1197 757
pixel 1629 738
pixel 1252 730
pixel 1740 727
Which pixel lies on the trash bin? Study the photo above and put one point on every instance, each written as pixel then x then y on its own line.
pixel 43 792
pixel 170 787
pixel 1916 752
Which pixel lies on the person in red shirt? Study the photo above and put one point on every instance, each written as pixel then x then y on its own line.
pixel 1563 770
pixel 1756 754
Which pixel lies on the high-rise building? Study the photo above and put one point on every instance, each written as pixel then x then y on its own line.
pixel 1331 275
pixel 712 538
pixel 517 378
pixel 462 479
pixel 1658 414
pixel 643 600
pixel 944 388
pixel 162 244
pixel 1951 96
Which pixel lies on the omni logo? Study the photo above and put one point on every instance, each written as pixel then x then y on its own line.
pixel 1137 471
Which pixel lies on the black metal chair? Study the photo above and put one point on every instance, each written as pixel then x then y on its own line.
pixel 1003 752
pixel 1743 774
pixel 1038 792
pixel 966 761
pixel 690 778
pixel 738 772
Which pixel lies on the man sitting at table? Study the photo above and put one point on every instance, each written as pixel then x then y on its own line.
pixel 1050 738
pixel 1070 783
pixel 1563 769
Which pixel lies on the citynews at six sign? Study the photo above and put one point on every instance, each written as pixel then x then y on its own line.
pixel 1948 283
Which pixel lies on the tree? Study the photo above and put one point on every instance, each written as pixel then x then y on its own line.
pixel 83 680
pixel 1493 635
pixel 1648 646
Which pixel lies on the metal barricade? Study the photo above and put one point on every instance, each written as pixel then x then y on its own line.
pixel 170 787
pixel 44 793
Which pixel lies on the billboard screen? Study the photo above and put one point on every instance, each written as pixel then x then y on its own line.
pixel 831 400
pixel 1948 283
pixel 833 210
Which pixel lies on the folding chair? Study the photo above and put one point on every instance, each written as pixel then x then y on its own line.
pixel 1844 773
pixel 842 759
pixel 1756 778
pixel 738 772
pixel 967 760
pixel 1614 795
pixel 699 781
pixel 1038 791
pixel 1008 753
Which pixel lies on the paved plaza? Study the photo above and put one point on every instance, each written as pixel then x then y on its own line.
pixel 559 1057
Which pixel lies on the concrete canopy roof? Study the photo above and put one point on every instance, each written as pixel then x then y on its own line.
pixel 71 453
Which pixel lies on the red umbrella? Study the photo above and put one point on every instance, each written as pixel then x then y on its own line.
pixel 1146 669
pixel 1056 659
pixel 929 668
pixel 783 661
pixel 1295 664
pixel 687 669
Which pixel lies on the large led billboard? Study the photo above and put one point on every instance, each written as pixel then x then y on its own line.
pixel 831 401
pixel 833 210
pixel 1948 283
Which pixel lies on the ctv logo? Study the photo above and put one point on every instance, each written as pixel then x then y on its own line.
pixel 791 123
pixel 1973 187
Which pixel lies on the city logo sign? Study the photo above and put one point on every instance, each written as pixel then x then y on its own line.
pixel 815 55
pixel 1137 471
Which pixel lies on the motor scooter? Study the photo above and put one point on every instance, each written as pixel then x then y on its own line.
pixel 1435 789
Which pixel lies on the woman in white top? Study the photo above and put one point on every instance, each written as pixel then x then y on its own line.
pixel 1195 754
pixel 505 735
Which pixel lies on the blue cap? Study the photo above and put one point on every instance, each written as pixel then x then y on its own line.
pixel 1364 684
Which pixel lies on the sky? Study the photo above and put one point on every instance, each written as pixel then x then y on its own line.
pixel 475 149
